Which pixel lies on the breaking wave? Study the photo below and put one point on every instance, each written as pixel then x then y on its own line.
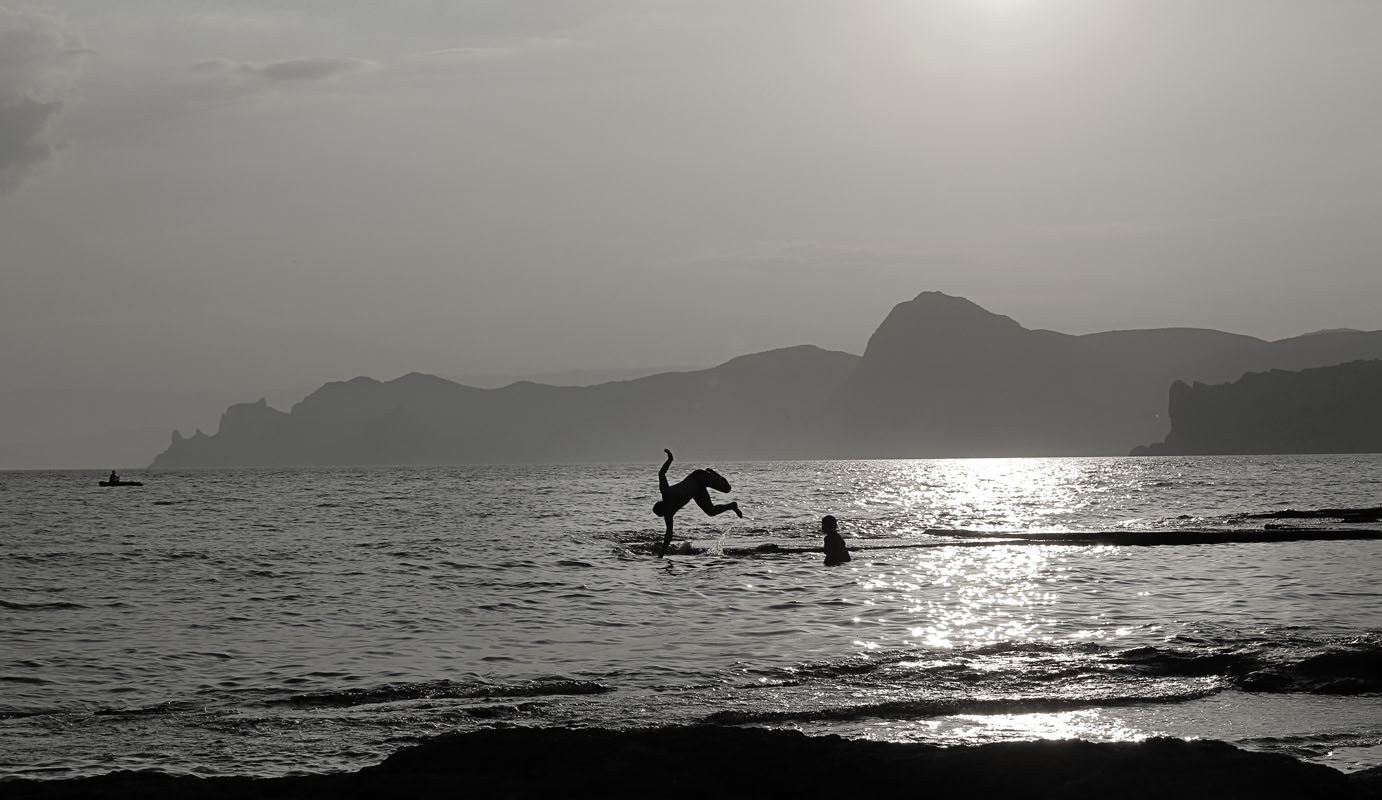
pixel 442 689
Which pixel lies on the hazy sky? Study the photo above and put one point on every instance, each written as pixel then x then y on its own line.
pixel 265 193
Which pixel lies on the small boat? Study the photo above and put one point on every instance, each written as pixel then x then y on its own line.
pixel 121 483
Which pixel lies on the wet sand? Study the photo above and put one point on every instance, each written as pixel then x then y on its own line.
pixel 711 761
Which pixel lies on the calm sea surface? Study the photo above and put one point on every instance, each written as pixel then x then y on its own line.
pixel 285 621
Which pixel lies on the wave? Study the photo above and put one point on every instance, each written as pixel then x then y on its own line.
pixel 1314 745
pixel 957 537
pixel 29 679
pixel 169 707
pixel 1342 666
pixel 1182 668
pixel 1047 677
pixel 442 689
pixel 8 715
pixel 942 707
pixel 1145 538
pixel 1347 515
pixel 1337 672
pixel 54 606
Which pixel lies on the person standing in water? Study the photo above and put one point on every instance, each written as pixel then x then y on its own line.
pixel 835 552
pixel 693 487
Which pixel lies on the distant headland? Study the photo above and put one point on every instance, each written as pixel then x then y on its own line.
pixel 940 377
pixel 1321 410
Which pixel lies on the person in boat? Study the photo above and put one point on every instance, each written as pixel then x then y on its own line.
pixel 696 487
pixel 113 477
pixel 835 552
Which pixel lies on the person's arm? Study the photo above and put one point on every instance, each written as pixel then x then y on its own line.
pixel 662 485
pixel 666 540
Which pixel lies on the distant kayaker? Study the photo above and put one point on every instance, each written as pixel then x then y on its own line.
pixel 113 477
pixel 835 552
pixel 692 487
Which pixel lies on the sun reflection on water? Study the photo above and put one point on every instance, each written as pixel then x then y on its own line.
pixel 950 597
pixel 965 597
pixel 1092 725
pixel 1087 724
pixel 997 494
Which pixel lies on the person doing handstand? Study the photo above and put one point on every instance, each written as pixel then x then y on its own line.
pixel 692 487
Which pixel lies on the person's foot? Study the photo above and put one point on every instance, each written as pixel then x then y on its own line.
pixel 735 506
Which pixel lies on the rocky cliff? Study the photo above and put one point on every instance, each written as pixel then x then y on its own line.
pixel 1334 409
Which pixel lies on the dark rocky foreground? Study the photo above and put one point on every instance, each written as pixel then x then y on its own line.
pixel 748 762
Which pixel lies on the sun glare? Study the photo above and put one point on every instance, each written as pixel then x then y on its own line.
pixel 1007 494
pixel 1087 724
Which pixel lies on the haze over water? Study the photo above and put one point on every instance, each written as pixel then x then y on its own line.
pixel 308 620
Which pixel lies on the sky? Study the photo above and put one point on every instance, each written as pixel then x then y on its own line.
pixel 258 194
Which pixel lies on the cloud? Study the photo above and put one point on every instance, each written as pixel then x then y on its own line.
pixel 241 76
pixel 312 69
pixel 316 68
pixel 39 63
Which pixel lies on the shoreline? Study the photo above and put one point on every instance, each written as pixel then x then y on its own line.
pixel 704 761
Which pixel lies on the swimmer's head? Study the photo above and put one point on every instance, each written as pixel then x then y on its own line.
pixel 659 509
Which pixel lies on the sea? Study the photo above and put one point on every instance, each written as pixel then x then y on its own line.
pixel 293 621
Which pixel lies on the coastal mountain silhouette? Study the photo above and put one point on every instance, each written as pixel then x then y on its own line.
pixel 1321 410
pixel 940 377
pixel 943 377
pixel 736 410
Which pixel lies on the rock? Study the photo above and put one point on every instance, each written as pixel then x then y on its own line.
pixel 712 761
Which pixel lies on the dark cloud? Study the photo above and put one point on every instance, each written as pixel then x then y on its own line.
pixel 38 63
pixel 23 146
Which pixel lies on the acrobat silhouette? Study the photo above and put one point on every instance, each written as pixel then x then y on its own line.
pixel 693 487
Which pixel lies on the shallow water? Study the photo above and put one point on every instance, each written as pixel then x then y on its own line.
pixel 281 621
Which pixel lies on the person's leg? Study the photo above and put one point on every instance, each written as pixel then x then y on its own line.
pixel 714 480
pixel 703 500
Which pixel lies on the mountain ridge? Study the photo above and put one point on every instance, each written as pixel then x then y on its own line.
pixel 940 377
